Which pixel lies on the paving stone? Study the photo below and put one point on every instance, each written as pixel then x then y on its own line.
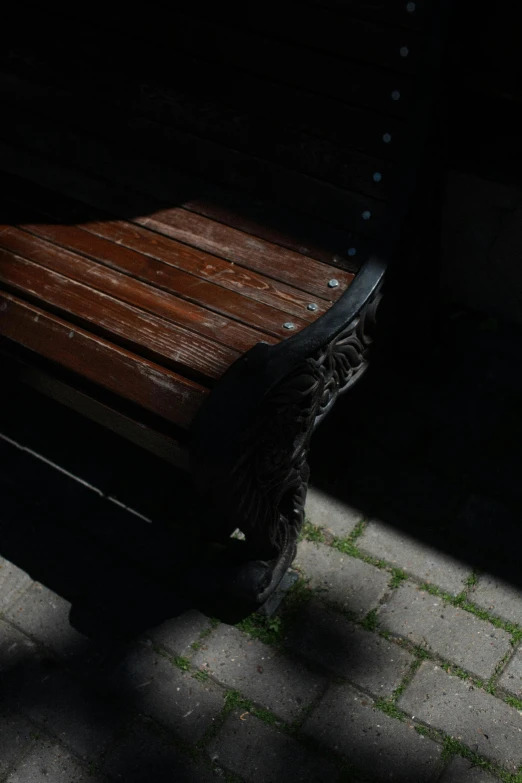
pixel 45 615
pixel 384 748
pixel 263 674
pixel 325 510
pixel 248 747
pixel 176 635
pixel 353 585
pixel 499 598
pixel 15 738
pixel 143 756
pixel 452 633
pixel 15 648
pixel 172 697
pixel 511 679
pixel 367 660
pixel 464 771
pixel 419 560
pixel 482 722
pixel 53 763
pixel 79 713
pixel 12 581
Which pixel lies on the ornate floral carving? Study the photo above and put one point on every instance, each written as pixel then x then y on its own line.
pixel 266 489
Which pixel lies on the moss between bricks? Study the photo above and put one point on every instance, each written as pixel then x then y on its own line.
pixel 272 630
pixel 461 601
pixel 348 547
pixel 182 663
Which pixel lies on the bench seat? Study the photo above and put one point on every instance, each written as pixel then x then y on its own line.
pixel 193 210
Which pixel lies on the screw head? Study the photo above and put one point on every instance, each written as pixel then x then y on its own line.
pixel 288 325
pixel 395 95
pixel 410 7
pixel 312 306
pixel 366 215
pixel 377 176
pixel 386 138
pixel 404 51
pixel 352 251
pixel 333 283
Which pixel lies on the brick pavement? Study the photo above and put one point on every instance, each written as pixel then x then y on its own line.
pixel 413 682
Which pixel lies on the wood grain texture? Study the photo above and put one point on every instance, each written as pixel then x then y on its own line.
pixel 259 219
pixel 151 386
pixel 132 428
pixel 164 342
pixel 309 176
pixel 319 72
pixel 37 243
pixel 231 112
pixel 393 13
pixel 153 259
pixel 367 40
pixel 214 40
pixel 291 273
pixel 240 97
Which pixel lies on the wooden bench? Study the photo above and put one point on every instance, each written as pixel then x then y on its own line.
pixel 198 210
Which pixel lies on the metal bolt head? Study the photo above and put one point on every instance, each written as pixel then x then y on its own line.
pixel 395 95
pixel 333 283
pixel 410 7
pixel 352 251
pixel 312 306
pixel 386 138
pixel 404 51
pixel 366 215
pixel 288 325
pixel 377 176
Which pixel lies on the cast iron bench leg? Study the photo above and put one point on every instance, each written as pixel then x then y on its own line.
pixel 250 445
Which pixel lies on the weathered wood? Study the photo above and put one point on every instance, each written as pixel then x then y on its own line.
pixel 317 71
pixel 366 40
pixel 391 12
pixel 150 385
pixel 159 443
pixel 170 344
pixel 127 137
pixel 151 258
pixel 199 231
pixel 44 244
pixel 223 112
pixel 278 231
pixel 271 107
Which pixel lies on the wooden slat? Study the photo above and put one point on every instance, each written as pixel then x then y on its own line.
pixel 156 259
pixel 193 120
pixel 163 445
pixel 233 91
pixel 171 150
pixel 364 85
pixel 319 28
pixel 190 228
pixel 385 12
pixel 122 286
pixel 256 219
pixel 148 257
pixel 151 386
pixel 194 355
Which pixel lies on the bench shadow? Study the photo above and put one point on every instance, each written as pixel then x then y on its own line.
pixel 122 540
pixel 429 441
